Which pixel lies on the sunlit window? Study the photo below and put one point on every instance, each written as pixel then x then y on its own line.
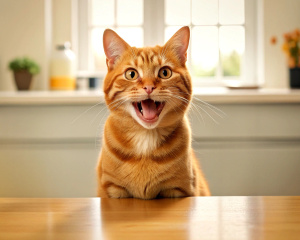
pixel 126 17
pixel 217 49
pixel 218 35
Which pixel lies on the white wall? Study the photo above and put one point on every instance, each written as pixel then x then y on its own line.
pixel 32 28
pixel 280 16
pixel 25 30
pixel 62 26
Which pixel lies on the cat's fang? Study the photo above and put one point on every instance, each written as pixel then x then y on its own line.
pixel 139 105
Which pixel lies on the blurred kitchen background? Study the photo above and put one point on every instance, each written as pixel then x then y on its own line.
pixel 245 115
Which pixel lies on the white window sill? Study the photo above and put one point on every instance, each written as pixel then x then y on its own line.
pixel 211 95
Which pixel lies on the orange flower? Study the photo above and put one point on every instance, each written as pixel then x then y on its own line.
pixel 285 47
pixel 287 37
pixel 291 48
pixel 273 40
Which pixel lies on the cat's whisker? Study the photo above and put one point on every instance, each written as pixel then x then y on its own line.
pixel 193 106
pixel 197 111
pixel 208 114
pixel 119 104
pixel 213 110
pixel 98 115
pixel 202 109
pixel 97 104
pixel 212 107
pixel 117 100
pixel 113 104
pixel 181 98
pixel 171 100
pixel 104 114
pixel 80 115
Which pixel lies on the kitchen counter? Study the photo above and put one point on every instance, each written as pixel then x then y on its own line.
pixel 186 218
pixel 211 95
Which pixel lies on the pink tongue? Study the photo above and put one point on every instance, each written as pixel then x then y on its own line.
pixel 149 109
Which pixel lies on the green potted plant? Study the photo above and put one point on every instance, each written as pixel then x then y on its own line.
pixel 23 69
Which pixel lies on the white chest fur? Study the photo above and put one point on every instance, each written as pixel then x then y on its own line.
pixel 146 141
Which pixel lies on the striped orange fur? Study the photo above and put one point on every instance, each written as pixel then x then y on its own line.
pixel 146 151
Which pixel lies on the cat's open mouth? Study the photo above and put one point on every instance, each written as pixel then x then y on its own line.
pixel 148 110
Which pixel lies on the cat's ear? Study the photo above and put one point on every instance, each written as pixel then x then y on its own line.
pixel 179 43
pixel 114 46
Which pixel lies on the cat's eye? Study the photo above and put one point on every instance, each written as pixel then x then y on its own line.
pixel 131 74
pixel 165 73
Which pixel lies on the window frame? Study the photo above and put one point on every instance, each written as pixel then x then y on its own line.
pixel 154 31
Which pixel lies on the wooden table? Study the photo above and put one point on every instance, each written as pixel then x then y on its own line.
pixel 187 218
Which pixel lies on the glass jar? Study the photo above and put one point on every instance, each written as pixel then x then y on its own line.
pixel 62 68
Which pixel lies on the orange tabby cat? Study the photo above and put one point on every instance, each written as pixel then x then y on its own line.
pixel 146 151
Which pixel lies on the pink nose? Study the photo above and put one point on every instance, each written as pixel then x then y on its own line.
pixel 149 89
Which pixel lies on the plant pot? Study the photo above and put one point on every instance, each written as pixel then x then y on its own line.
pixel 295 77
pixel 23 79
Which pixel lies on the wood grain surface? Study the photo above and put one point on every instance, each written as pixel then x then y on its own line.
pixel 186 218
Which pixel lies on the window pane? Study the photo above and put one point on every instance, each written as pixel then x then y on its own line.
pixel 177 12
pixel 232 47
pixel 231 11
pixel 130 12
pixel 134 36
pixel 97 51
pixel 102 12
pixel 204 51
pixel 170 31
pixel 205 12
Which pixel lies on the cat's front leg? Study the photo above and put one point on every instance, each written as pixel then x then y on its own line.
pixel 115 191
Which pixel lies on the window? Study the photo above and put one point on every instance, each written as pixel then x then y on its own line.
pixel 222 45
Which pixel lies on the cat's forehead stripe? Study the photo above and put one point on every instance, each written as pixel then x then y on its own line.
pixel 147 59
pixel 150 56
pixel 144 57
pixel 140 61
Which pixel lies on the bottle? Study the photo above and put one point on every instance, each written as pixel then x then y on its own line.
pixel 62 68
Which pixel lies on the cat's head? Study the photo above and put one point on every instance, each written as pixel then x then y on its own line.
pixel 152 84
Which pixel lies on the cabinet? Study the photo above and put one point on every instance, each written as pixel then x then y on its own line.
pixel 254 150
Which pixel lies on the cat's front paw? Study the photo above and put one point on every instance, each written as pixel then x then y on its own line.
pixel 173 193
pixel 115 191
